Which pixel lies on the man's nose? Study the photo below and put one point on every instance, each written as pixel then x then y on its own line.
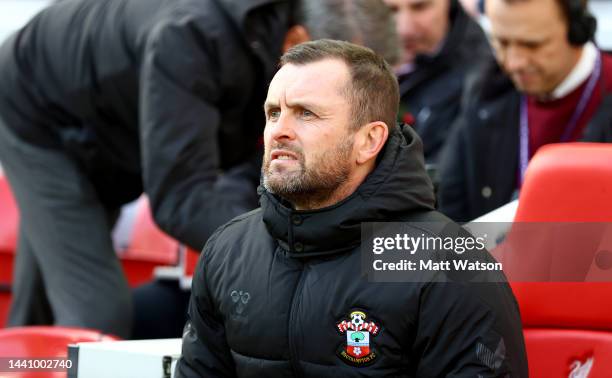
pixel 283 128
pixel 405 24
pixel 515 59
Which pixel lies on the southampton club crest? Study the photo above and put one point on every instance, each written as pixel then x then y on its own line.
pixel 358 329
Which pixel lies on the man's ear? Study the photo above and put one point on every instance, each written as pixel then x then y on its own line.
pixel 370 139
pixel 295 35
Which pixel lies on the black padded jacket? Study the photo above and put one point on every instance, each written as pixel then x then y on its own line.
pixel 275 285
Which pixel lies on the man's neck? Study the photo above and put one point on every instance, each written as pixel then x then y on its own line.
pixel 316 201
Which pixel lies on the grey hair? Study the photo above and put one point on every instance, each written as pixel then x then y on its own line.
pixel 365 22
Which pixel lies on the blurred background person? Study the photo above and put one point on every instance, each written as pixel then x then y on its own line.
pixel 440 45
pixel 550 84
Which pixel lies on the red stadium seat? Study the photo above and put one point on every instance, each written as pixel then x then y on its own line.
pixel 568 325
pixel 9 223
pixel 569 353
pixel 191 261
pixel 43 342
pixel 148 248
pixel 569 182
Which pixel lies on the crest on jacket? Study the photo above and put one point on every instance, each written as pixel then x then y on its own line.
pixel 358 330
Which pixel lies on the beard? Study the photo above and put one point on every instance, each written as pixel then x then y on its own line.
pixel 313 182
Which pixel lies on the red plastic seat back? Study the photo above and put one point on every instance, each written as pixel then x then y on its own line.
pixel 148 247
pixel 45 341
pixel 569 353
pixel 147 241
pixel 9 227
pixel 568 182
pixel 565 304
pixel 9 218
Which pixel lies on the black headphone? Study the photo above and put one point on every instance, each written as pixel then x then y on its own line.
pixel 582 24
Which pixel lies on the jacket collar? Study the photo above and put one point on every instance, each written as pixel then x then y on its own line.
pixel 397 186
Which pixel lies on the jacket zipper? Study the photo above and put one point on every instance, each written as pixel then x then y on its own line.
pixel 293 355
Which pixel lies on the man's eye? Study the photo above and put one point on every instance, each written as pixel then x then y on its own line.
pixel 532 45
pixel 420 7
pixel 393 8
pixel 500 43
pixel 274 114
pixel 307 113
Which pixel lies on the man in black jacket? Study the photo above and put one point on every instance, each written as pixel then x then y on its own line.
pixel 550 84
pixel 279 290
pixel 441 44
pixel 101 100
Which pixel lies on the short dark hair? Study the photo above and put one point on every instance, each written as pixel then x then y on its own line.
pixel 581 25
pixel 373 91
pixel 567 7
pixel 572 8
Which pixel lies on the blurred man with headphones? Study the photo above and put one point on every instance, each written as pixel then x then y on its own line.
pixel 550 84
